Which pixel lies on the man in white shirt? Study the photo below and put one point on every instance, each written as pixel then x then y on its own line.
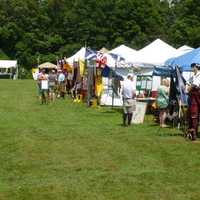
pixel 128 94
pixel 194 101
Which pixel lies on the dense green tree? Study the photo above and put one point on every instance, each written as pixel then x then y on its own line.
pixel 50 29
pixel 186 27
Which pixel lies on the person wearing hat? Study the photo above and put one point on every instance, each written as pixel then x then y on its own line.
pixel 194 101
pixel 128 94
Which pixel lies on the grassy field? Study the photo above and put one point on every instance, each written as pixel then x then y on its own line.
pixel 68 151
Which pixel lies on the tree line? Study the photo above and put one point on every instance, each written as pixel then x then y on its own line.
pixel 34 31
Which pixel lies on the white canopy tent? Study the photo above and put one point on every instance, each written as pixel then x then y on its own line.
pixel 79 55
pixel 156 53
pixel 185 48
pixel 182 50
pixel 9 68
pixel 8 64
pixel 126 52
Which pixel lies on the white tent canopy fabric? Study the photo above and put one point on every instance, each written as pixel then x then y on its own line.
pixel 182 50
pixel 79 55
pixel 179 52
pixel 8 64
pixel 156 53
pixel 185 48
pixel 125 52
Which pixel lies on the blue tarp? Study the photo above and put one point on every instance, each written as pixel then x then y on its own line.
pixel 184 61
pixel 166 71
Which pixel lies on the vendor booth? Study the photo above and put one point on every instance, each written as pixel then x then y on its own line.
pixel 177 93
pixel 8 69
pixel 156 53
pixel 127 53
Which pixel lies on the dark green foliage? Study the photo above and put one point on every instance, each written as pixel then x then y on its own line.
pixel 56 28
pixel 186 28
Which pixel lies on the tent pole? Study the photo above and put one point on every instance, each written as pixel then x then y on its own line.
pixel 113 95
pixel 17 72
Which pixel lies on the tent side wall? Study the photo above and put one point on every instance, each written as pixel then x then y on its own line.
pixel 9 69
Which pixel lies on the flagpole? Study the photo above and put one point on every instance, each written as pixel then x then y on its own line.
pixel 88 75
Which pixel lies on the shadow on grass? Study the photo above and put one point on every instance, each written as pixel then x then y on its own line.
pixel 110 110
pixel 168 132
pixel 126 127
pixel 154 125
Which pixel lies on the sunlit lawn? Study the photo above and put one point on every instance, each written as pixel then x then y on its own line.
pixel 68 151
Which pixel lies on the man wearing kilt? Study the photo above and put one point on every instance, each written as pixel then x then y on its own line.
pixel 129 103
pixel 194 101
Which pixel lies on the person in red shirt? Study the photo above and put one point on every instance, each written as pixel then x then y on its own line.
pixel 194 101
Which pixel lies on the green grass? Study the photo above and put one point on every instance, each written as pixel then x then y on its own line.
pixel 68 151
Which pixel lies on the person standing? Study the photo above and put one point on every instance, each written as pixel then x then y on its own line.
pixel 162 101
pixel 39 84
pixel 194 101
pixel 43 81
pixel 129 103
pixel 61 84
pixel 52 84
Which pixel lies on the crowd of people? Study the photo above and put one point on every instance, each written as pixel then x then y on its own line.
pixel 192 90
pixel 55 84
